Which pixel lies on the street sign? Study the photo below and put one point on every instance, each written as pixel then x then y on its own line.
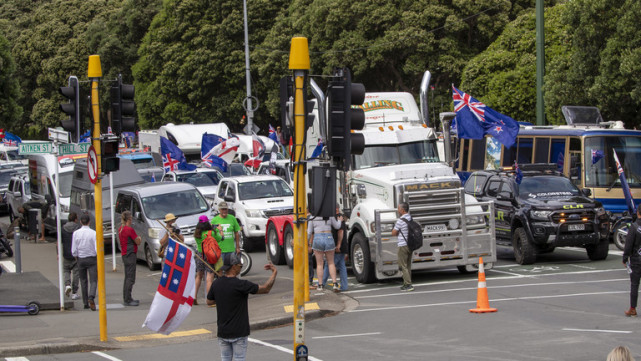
pixel 73 148
pixel 255 129
pixel 92 165
pixel 58 135
pixel 34 148
pixel 301 353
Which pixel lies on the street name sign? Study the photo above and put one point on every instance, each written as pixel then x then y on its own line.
pixel 34 148
pixel 73 148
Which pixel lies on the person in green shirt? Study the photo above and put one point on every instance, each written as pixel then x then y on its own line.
pixel 230 242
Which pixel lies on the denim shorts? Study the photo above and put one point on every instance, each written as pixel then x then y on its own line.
pixel 323 242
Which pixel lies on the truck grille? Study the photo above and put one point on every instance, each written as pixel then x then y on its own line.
pixel 278 212
pixel 573 215
pixel 431 208
pixel 187 230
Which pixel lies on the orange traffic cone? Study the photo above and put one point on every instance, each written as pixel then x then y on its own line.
pixel 482 302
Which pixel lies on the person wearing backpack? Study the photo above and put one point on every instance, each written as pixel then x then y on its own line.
pixel 400 231
pixel 200 233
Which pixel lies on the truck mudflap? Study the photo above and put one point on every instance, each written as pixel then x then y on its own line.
pixel 460 247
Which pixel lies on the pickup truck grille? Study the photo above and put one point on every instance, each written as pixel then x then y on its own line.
pixel 278 212
pixel 573 215
pixel 187 230
pixel 430 208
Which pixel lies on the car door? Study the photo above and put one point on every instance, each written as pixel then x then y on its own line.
pixel 504 207
pixel 490 193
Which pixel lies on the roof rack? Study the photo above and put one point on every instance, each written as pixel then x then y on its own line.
pixel 534 168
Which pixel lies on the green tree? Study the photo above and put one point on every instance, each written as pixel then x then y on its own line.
pixel 10 111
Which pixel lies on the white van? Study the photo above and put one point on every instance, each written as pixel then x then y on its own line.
pixel 188 137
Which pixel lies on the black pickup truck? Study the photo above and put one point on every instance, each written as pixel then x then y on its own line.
pixel 538 209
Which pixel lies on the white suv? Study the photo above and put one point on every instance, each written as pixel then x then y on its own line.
pixel 253 199
pixel 18 193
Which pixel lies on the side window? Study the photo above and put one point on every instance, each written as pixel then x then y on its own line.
pixel 525 151
pixel 493 187
pixel 474 185
pixel 122 203
pixel 221 189
pixel 135 208
pixel 542 153
pixel 507 189
pixel 231 190
pixel 12 185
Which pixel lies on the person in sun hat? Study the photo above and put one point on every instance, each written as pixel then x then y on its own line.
pixel 170 225
pixel 230 240
pixel 229 293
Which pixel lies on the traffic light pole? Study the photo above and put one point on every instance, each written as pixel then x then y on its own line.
pixel 95 73
pixel 299 64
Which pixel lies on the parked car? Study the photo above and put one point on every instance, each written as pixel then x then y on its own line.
pixel 205 179
pixel 148 165
pixel 5 180
pixel 149 203
pixel 280 168
pixel 18 193
pixel 541 211
pixel 253 200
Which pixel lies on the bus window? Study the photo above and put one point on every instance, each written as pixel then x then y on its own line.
pixel 524 154
pixel 509 156
pixel 465 146
pixel 557 153
pixel 542 150
pixel 477 161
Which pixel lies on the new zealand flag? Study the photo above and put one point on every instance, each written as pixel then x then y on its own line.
pixel 172 157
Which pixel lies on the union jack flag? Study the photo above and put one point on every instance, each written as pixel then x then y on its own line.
pixel 168 163
pixel 625 187
pixel 176 291
pixel 11 139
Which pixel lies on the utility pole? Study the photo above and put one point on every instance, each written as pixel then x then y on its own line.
pixel 540 62
pixel 248 107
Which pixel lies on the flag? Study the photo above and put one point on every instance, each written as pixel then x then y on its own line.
pixel 86 137
pixel 318 150
pixel 258 147
pixel 474 120
pixel 153 177
pixel 225 150
pixel 172 157
pixel 176 291
pixel 11 139
pixel 597 155
pixel 560 161
pixel 272 134
pixel 208 143
pixel 519 174
pixel 624 185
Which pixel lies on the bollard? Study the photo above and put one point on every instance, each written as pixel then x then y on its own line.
pixel 16 254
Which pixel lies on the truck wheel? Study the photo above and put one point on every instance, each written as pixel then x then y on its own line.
pixel 362 266
pixel 618 237
pixel 288 244
pixel 599 251
pixel 524 252
pixel 150 259
pixel 245 243
pixel 274 249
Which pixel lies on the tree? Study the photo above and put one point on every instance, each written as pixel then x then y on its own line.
pixel 10 111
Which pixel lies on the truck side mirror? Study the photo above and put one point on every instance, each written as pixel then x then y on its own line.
pixel 586 192
pixel 229 198
pixel 504 196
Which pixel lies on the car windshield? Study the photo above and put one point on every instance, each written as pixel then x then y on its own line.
pixel 238 169
pixel 264 189
pixel 200 179
pixel 179 203
pixel 65 184
pixel 547 186
pixel 407 153
pixel 143 163
pixel 5 177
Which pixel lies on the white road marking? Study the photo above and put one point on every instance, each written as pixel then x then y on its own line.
pixel 108 357
pixel 584 330
pixel 508 273
pixel 350 335
pixel 9 266
pixel 16 359
pixel 493 300
pixel 279 348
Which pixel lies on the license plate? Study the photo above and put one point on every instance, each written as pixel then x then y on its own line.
pixel 576 227
pixel 435 227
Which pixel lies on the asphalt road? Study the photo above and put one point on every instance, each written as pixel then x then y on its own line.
pixel 564 307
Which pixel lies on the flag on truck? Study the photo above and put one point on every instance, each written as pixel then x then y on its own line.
pixel 258 147
pixel 176 291
pixel 225 150
pixel 208 143
pixel 597 155
pixel 11 139
pixel 474 120
pixel 172 157
pixel 272 134
pixel 318 150
pixel 624 185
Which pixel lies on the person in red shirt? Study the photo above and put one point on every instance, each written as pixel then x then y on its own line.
pixel 129 242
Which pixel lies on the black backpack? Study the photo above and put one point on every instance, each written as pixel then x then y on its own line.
pixel 414 238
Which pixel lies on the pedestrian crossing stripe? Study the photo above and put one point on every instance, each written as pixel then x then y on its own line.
pixel 199 331
pixel 308 307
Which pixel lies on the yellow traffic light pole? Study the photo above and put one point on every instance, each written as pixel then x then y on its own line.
pixel 95 73
pixel 299 63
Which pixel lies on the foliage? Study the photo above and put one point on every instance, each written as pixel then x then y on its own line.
pixel 10 111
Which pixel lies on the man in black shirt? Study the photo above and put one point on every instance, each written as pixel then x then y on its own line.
pixel 229 293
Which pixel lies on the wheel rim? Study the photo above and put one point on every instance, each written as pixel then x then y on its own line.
pixel 288 246
pixel 358 259
pixel 150 262
pixel 620 240
pixel 273 242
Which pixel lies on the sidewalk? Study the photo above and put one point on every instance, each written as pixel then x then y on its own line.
pixel 76 329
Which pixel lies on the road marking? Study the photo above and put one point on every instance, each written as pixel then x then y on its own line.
pixel 508 273
pixel 584 330
pixel 350 335
pixel 200 331
pixel 581 266
pixel 279 348
pixel 493 300
pixel 108 357
pixel 9 266
pixel 16 359
pixel 308 307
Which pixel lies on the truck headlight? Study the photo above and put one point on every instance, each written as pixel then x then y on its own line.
pixel 453 223
pixel 473 220
pixel 154 232
pixel 385 227
pixel 540 214
pixel 254 213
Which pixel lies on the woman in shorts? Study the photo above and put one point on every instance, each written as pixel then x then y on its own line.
pixel 320 239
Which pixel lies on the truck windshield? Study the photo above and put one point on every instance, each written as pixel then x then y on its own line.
pixel 65 184
pixel 179 203
pixel 263 189
pixel 200 179
pixel 547 187
pixel 602 172
pixel 407 153
pixel 143 163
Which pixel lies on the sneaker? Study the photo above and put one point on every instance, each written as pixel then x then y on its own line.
pixel 407 288
pixel 75 296
pixel 67 291
pixel 337 288
pixel 632 312
pixel 195 302
pixel 319 288
pixel 92 305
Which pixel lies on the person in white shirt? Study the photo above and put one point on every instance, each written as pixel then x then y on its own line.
pixel 400 230
pixel 83 247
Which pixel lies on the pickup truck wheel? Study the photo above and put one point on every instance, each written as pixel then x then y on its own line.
pixel 288 244
pixel 599 251
pixel 619 238
pixel 150 259
pixel 274 249
pixel 362 266
pixel 245 243
pixel 524 251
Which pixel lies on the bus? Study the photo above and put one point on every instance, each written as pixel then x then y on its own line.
pixel 583 151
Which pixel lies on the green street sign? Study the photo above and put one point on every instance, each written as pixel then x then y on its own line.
pixel 73 148
pixel 34 148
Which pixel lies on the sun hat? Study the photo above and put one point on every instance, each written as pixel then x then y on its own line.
pixel 169 217
pixel 222 205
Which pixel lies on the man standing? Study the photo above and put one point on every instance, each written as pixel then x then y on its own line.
pixel 230 241
pixel 83 247
pixel 129 242
pixel 69 263
pixel 229 293
pixel 404 253
pixel 632 260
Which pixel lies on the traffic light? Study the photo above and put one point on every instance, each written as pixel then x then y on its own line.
pixel 343 118
pixel 72 108
pixel 122 108
pixel 109 160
